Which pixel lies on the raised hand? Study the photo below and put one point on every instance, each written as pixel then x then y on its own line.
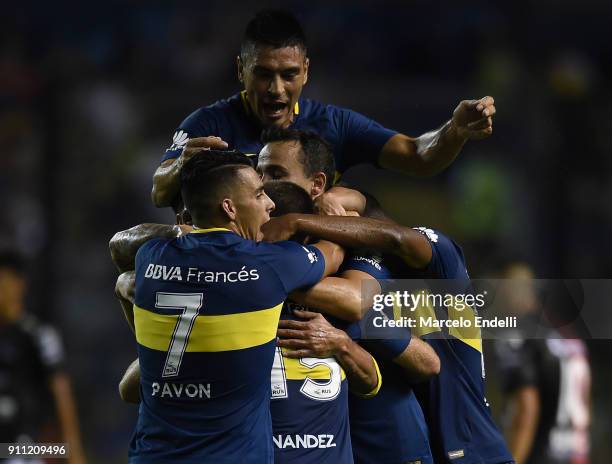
pixel 473 119
pixel 199 144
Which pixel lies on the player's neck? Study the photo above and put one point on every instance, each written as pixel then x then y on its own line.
pixel 231 226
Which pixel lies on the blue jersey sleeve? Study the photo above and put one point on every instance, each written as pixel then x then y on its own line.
pixel 200 123
pixel 447 260
pixel 296 265
pixel 389 349
pixel 365 261
pixel 389 342
pixel 362 138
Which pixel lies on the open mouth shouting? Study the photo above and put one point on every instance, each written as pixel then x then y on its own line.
pixel 275 110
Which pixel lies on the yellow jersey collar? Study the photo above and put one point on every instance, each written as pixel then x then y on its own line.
pixel 212 229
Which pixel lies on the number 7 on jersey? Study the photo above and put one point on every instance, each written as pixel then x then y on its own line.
pixel 190 303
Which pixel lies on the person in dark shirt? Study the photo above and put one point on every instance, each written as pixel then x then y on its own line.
pixel 31 368
pixel 273 67
pixel 546 382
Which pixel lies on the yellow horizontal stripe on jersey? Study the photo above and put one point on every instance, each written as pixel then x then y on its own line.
pixel 210 333
pixel 294 370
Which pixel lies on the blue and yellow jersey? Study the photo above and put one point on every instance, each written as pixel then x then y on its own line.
pixel 310 414
pixel 206 311
pixel 356 139
pixel 309 408
pixel 390 427
pixel 461 428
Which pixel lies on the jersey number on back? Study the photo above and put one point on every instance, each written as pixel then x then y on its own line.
pixel 190 303
pixel 316 390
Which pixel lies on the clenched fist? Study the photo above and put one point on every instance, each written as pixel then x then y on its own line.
pixel 473 119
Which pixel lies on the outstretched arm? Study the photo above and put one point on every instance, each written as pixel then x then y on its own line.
pixel 343 297
pixel 124 245
pixel 314 337
pixel 435 150
pixel 355 232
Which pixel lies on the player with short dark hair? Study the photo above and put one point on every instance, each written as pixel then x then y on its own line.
pixel 399 432
pixel 274 28
pixel 461 428
pixel 273 67
pixel 32 370
pixel 309 407
pixel 206 309
pixel 288 198
pixel 546 380
pixel 315 153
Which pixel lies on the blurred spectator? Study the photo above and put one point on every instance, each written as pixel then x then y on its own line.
pixel 547 382
pixel 31 369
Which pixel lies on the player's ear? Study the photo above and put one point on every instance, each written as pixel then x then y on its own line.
pixel 240 69
pixel 318 184
pixel 306 64
pixel 228 207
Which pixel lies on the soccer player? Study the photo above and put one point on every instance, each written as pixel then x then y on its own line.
pixel 390 427
pixel 547 382
pixel 206 310
pixel 458 416
pixel 31 368
pixel 273 68
pixel 309 396
pixel 309 406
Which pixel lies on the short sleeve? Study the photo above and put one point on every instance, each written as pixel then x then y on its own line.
pixel 389 342
pixel 143 253
pixel 362 138
pixel 386 349
pixel 296 265
pixel 49 345
pixel 516 363
pixel 200 123
pixel 365 261
pixel 447 260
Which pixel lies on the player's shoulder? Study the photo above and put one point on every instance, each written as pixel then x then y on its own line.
pixel 368 261
pixel 313 108
pixel 447 260
pixel 150 245
pixel 225 104
pixel 212 112
pixel 285 250
pixel 46 338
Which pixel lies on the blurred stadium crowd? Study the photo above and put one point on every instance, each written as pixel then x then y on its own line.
pixel 91 95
